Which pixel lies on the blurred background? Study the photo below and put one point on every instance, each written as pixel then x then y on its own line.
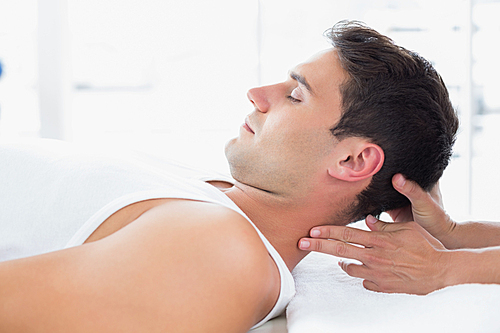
pixel 169 78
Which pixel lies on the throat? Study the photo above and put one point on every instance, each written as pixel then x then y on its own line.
pixel 282 222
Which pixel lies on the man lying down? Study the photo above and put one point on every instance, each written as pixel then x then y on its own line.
pixel 94 244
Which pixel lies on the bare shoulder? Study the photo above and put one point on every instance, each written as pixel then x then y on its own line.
pixel 195 228
pixel 181 266
pixel 219 257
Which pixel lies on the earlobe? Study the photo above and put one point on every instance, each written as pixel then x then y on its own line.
pixel 357 163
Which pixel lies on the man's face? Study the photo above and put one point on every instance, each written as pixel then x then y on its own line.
pixel 285 142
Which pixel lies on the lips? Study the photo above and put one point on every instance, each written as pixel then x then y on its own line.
pixel 247 127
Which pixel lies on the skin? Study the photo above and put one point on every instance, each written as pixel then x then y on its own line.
pixel 166 271
pixel 429 252
pixel 287 119
pixel 290 171
pixel 163 265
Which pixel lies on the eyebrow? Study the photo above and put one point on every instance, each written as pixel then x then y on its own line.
pixel 302 80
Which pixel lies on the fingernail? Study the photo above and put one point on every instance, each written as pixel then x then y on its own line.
pixel 400 180
pixel 370 219
pixel 315 233
pixel 304 244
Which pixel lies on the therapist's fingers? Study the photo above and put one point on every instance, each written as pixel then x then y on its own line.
pixel 348 234
pixel 376 225
pixel 362 272
pixel 338 240
pixel 394 257
pixel 372 279
pixel 332 247
pixel 371 286
pixel 354 270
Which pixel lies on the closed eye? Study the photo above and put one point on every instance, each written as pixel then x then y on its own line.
pixel 293 100
pixel 296 95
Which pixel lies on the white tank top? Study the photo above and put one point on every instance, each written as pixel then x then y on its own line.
pixel 67 192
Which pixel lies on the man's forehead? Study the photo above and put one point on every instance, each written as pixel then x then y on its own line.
pixel 302 80
pixel 318 57
pixel 323 68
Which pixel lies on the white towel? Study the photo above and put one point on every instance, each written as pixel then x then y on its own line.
pixel 328 300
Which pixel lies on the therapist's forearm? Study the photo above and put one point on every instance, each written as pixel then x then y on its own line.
pixel 472 235
pixel 473 266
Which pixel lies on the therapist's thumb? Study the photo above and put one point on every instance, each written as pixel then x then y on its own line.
pixel 409 188
pixel 374 224
pixel 427 211
pixel 422 202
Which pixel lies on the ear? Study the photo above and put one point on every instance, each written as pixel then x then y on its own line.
pixel 356 159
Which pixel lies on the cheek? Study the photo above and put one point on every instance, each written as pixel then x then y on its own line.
pixel 285 130
pixel 313 145
pixel 297 138
pixel 299 147
pixel 280 138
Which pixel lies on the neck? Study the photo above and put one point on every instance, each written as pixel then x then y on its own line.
pixel 283 221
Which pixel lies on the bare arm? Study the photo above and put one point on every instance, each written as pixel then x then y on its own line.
pixel 426 209
pixel 168 271
pixel 473 235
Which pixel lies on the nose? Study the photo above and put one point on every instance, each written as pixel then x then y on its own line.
pixel 259 98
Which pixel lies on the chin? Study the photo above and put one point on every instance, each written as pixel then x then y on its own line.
pixel 230 143
pixel 228 149
pixel 231 156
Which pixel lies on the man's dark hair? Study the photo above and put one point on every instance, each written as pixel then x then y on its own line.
pixel 394 98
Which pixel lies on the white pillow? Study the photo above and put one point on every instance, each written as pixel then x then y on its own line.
pixel 328 300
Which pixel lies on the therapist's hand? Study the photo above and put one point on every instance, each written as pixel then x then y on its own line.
pixel 426 208
pixel 395 257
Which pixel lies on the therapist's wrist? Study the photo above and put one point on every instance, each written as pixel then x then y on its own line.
pixel 458 268
pixel 464 266
pixel 446 232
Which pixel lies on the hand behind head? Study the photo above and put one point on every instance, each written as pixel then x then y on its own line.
pixel 426 208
